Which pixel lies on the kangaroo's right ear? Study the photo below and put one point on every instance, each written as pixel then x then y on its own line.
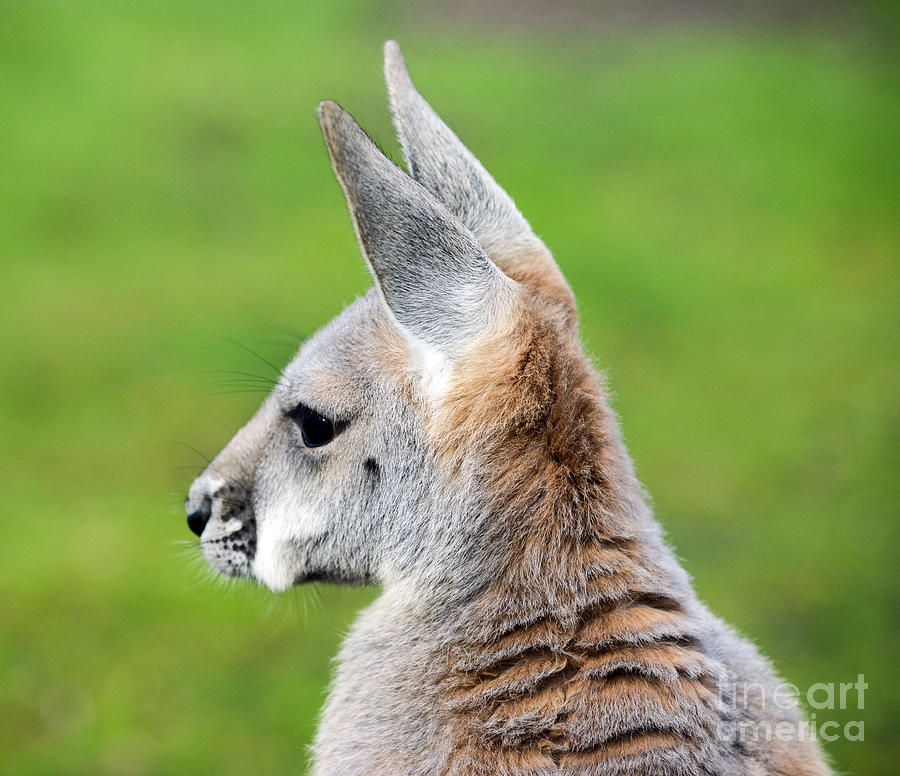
pixel 436 279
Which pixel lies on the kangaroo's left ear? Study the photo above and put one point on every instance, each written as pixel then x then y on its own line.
pixel 439 161
pixel 433 274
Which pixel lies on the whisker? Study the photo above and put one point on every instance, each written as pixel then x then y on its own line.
pixel 296 337
pixel 189 447
pixel 247 381
pixel 235 373
pixel 236 390
pixel 238 482
pixel 252 353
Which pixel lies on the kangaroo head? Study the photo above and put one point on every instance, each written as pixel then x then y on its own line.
pixel 394 439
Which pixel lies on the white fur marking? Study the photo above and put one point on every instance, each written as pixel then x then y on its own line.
pixel 277 525
pixel 430 364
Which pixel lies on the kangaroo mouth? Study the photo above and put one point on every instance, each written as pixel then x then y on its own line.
pixel 231 549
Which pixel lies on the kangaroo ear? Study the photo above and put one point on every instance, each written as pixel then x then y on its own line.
pixel 435 278
pixel 439 161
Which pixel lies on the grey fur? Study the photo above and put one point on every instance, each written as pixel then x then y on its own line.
pixel 434 275
pixel 377 504
pixel 439 161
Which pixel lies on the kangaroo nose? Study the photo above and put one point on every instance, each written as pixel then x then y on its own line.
pixel 198 519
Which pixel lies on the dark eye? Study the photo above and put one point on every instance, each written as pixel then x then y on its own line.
pixel 316 429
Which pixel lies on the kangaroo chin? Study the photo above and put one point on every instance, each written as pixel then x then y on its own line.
pixel 445 437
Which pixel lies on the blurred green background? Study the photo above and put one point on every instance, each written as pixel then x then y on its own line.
pixel 721 191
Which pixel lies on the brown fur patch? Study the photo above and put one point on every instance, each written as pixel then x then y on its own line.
pixel 535 269
pixel 579 652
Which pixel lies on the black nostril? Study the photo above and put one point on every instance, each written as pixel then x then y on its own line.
pixel 198 519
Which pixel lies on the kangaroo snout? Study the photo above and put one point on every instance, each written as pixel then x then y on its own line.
pixel 219 511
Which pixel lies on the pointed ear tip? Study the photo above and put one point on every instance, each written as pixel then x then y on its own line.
pixel 327 111
pixel 332 118
pixel 394 63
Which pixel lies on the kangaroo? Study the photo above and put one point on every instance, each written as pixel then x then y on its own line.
pixel 445 437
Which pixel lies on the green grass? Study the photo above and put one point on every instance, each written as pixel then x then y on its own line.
pixel 724 202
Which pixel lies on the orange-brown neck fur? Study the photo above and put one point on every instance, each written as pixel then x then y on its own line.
pixel 581 649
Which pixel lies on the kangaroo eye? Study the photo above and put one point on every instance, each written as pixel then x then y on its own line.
pixel 316 429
